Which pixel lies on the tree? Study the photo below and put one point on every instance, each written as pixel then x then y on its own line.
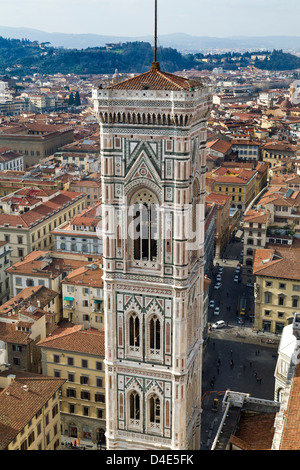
pixel 71 99
pixel 77 100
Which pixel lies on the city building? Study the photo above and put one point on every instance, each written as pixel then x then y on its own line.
pixel 247 423
pixel 91 186
pixel 222 233
pixel 10 160
pixel 275 152
pixel 20 330
pixel 287 421
pixel 43 268
pixel 153 155
pixel 4 278
pixel 240 183
pixel 28 215
pixel 283 204
pixel 255 226
pixel 35 140
pixel 76 356
pixel 82 234
pixel 286 349
pixel 29 411
pixel 219 148
pixel 277 286
pixel 82 294
pixel 246 149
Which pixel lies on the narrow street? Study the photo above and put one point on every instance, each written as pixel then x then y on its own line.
pixel 236 357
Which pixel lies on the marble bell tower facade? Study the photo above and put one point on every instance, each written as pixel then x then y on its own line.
pixel 153 140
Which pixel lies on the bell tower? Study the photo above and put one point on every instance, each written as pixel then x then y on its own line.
pixel 153 140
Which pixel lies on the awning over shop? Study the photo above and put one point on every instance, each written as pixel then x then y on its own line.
pixel 69 298
pixel 98 301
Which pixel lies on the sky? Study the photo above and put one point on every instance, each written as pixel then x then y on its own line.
pixel 133 18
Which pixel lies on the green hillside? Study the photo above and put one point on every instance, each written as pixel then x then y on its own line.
pixel 22 57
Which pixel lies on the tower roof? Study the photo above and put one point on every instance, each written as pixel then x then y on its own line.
pixel 155 79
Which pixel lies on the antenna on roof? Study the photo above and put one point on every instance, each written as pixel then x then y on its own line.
pixel 155 64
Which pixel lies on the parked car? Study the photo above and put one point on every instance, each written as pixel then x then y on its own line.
pixel 220 269
pixel 218 324
pixel 236 279
pixel 217 311
pixel 249 284
pixel 218 285
pixel 219 277
pixel 240 321
pixel 211 303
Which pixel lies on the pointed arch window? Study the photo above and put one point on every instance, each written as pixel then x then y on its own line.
pixel 155 334
pixel 145 227
pixel 134 406
pixel 154 412
pixel 134 331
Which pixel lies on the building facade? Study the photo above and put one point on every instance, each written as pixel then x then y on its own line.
pixel 153 141
pixel 277 286
pixel 76 356
pixel 31 402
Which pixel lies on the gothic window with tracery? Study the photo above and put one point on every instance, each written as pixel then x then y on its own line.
pixel 134 406
pixel 134 331
pixel 155 333
pixel 154 412
pixel 145 234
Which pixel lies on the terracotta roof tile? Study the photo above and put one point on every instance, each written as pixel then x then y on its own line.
pixel 255 432
pixel 75 339
pixel 18 406
pixel 155 79
pixel 291 432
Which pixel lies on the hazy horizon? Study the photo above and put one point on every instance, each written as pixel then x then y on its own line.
pixel 134 18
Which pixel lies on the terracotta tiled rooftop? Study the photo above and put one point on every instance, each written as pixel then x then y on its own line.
pixel 18 406
pixel 291 432
pixel 86 276
pixel 284 262
pixel 46 208
pixel 9 333
pixel 45 264
pixel 256 216
pixel 75 339
pixel 219 145
pixel 231 175
pixel 218 198
pixel 155 79
pixel 36 295
pixel 255 432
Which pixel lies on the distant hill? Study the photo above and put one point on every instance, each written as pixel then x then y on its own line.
pixel 180 41
pixel 24 57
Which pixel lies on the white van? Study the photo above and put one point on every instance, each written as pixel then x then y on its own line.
pixel 218 324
